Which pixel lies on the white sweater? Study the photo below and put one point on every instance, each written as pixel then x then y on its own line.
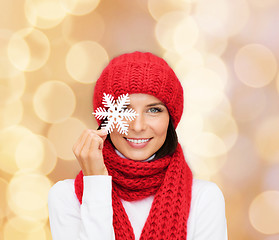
pixel 93 219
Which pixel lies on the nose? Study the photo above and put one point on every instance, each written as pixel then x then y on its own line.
pixel 138 124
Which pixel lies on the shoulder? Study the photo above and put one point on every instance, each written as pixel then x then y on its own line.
pixel 207 194
pixel 62 193
pixel 208 203
pixel 207 219
pixel 203 188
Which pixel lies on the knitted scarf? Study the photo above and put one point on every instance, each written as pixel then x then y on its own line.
pixel 169 179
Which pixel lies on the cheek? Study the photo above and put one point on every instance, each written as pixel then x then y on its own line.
pixel 161 126
pixel 115 137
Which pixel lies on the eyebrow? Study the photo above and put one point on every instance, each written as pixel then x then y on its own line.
pixel 150 105
pixel 155 104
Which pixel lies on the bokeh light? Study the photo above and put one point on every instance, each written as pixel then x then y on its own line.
pixel 186 34
pixel 267 139
pixel 255 65
pixel 264 212
pixel 3 203
pixel 221 21
pixel 24 228
pixel 7 70
pixel 208 144
pixel 28 49
pixel 9 139
pixel 204 89
pixel 27 195
pixel 44 13
pixel 85 61
pixel 166 28
pixel 11 88
pixel 54 101
pixel 158 8
pixel 11 114
pixel 64 135
pixel 79 7
pixel 29 153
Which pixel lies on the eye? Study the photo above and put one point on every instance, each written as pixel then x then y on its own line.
pixel 155 110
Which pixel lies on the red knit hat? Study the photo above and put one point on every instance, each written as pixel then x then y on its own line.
pixel 139 72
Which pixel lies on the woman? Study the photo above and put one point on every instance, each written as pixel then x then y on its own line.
pixel 137 186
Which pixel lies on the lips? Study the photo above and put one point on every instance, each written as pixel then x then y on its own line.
pixel 138 142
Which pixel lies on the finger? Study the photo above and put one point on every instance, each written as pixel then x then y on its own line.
pixel 102 133
pixel 96 143
pixel 80 142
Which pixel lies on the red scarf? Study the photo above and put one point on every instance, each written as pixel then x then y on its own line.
pixel 169 179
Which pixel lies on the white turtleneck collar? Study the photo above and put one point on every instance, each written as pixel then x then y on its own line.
pixel 146 160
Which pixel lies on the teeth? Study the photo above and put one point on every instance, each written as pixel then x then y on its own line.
pixel 137 141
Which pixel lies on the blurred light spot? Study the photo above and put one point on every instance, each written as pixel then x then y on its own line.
pixel 223 125
pixel 24 228
pixel 158 8
pixel 49 157
pixel 11 114
pixel 271 178
pixel 29 49
pixel 29 152
pixel 190 126
pixel 243 101
pixel 11 88
pixel 166 27
pixel 204 167
pixel 208 145
pixel 73 33
pixel 172 58
pixel 85 61
pixel 79 7
pixel 267 139
pixel 44 13
pixel 7 70
pixel 216 64
pixel 3 202
pixel 64 135
pixel 54 101
pixel 204 89
pixel 221 21
pixel 186 34
pixel 188 61
pixel 264 212
pixel 243 163
pixel 9 140
pixel 210 18
pixel 213 44
pixel 255 65
pixel 28 194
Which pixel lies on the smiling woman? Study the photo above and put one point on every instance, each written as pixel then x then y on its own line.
pixel 136 185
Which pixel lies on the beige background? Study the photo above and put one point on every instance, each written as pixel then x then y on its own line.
pixel 224 52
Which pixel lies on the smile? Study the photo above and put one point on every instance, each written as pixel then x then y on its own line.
pixel 138 141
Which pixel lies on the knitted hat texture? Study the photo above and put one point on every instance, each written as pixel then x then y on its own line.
pixel 140 72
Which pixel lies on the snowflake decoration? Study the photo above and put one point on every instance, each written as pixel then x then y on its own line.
pixel 116 114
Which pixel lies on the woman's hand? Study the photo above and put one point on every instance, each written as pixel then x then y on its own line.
pixel 88 151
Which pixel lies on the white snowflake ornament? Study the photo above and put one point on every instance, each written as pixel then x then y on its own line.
pixel 116 114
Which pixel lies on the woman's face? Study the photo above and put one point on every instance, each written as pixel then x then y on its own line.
pixel 147 133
